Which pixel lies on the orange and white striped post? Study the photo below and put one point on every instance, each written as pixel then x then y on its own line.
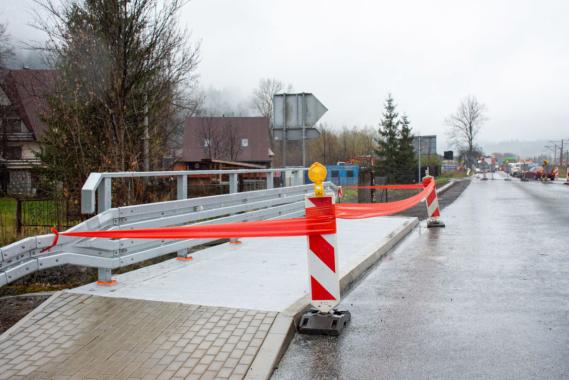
pixel 433 209
pixel 324 279
pixel 323 261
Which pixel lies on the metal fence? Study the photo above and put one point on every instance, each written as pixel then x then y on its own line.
pixel 37 216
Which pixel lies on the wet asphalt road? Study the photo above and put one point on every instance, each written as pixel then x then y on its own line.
pixel 485 298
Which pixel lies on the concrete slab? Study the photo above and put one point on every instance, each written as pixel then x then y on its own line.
pixel 267 274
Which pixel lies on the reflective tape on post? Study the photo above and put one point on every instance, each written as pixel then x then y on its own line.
pixel 324 280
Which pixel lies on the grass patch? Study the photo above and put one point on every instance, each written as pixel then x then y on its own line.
pixel 446 177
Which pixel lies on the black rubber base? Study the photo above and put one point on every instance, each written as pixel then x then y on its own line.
pixel 315 323
pixel 435 224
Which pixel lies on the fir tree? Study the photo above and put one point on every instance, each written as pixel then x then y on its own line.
pixel 388 142
pixel 406 161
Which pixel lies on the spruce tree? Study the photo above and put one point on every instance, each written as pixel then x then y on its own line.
pixel 406 161
pixel 388 142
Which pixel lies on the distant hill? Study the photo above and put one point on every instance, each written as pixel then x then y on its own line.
pixel 522 148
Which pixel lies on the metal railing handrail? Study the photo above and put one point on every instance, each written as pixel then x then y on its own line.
pixel 101 182
pixel 27 255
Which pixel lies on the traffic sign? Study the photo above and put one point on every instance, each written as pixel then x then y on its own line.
pixel 293 115
pixel 292 111
pixel 296 134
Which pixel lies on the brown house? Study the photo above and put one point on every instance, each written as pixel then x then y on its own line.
pixel 22 102
pixel 226 142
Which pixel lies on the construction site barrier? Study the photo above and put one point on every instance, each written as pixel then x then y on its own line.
pixel 30 254
pixel 318 220
pixel 235 218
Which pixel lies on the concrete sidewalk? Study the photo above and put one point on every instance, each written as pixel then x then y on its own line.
pixel 228 313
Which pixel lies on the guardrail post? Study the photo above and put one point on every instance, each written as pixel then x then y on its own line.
pixel 182 193
pixel 104 202
pixel 234 188
pixel 105 277
pixel 105 195
pixel 299 178
pixel 233 183
pixel 270 180
pixel 182 187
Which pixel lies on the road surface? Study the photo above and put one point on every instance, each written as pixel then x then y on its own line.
pixel 485 298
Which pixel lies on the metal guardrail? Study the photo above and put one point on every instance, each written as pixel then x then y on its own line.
pixel 26 256
pixel 100 183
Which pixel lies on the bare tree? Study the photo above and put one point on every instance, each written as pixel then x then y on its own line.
pixel 465 125
pixel 333 146
pixel 219 141
pixel 211 138
pixel 263 95
pixel 6 49
pixel 231 141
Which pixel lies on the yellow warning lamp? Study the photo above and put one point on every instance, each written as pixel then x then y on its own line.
pixel 317 174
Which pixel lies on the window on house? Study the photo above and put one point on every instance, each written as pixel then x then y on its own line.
pixel 335 173
pixel 244 143
pixel 350 173
pixel 13 153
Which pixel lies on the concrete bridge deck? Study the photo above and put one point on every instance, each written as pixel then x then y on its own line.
pixel 228 313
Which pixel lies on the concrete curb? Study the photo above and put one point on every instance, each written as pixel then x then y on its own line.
pixel 283 328
pixel 446 187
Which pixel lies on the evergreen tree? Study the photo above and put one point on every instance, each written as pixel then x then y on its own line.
pixel 388 142
pixel 406 161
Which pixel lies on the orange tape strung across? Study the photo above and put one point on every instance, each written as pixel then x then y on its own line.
pixel 371 210
pixel 269 228
pixel 389 187
pixel 318 220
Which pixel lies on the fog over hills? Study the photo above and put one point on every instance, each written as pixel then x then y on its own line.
pixel 528 148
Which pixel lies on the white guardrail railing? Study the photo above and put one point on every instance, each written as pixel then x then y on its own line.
pixel 26 256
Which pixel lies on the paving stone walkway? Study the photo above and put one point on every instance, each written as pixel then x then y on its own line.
pixel 77 336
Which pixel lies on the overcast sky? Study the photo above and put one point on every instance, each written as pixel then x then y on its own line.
pixel 512 55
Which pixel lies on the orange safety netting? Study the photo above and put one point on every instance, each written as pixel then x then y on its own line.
pixel 318 220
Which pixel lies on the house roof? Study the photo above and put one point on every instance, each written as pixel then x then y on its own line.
pixel 254 129
pixel 27 91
